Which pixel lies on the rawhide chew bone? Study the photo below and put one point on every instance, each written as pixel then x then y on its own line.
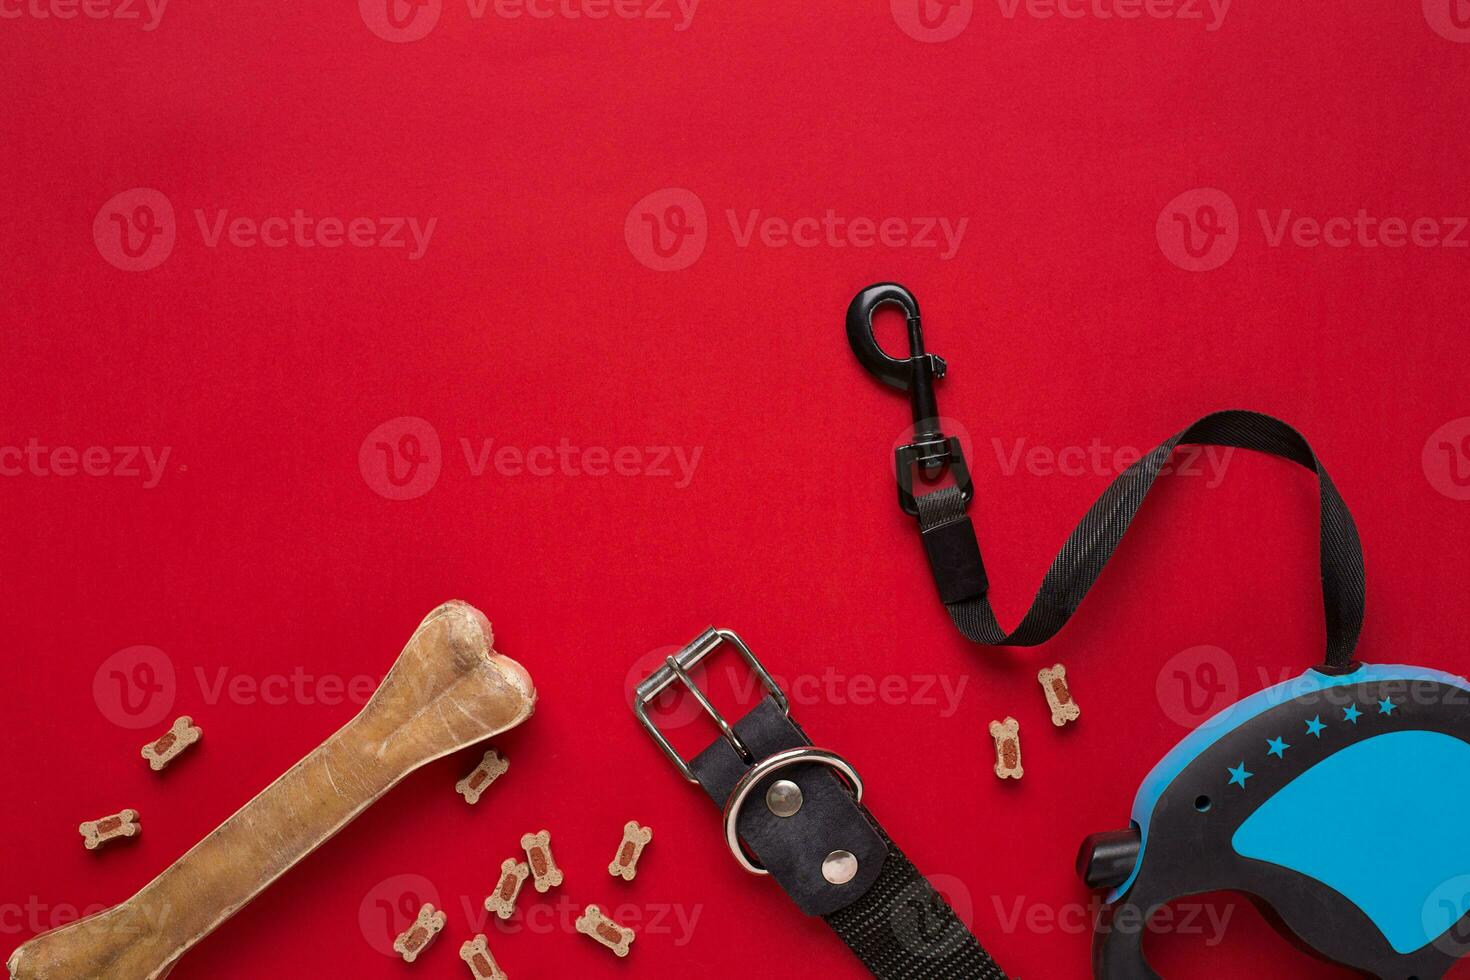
pixel 482 965
pixel 417 937
pixel 544 872
pixel 491 768
pixel 615 937
pixel 1007 735
pixel 172 743
pixel 95 833
pixel 635 839
pixel 513 875
pixel 448 690
pixel 1058 695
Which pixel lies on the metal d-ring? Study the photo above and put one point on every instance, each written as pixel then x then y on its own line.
pixel 784 759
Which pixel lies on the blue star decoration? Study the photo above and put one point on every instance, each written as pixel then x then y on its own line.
pixel 1351 713
pixel 1386 706
pixel 1238 775
pixel 1315 726
pixel 1278 747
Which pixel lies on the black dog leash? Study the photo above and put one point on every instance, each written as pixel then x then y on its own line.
pixel 954 551
pixel 794 811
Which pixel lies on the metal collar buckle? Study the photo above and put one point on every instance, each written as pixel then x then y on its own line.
pixel 676 669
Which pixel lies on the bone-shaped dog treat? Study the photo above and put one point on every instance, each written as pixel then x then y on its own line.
pixel 482 965
pixel 1007 735
pixel 448 690
pixel 635 839
pixel 603 929
pixel 544 872
pixel 513 875
pixel 95 833
pixel 1058 695
pixel 417 937
pixel 173 742
pixel 491 768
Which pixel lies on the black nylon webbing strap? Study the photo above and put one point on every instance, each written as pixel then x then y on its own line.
pixel 950 538
pixel 902 929
pixel 894 920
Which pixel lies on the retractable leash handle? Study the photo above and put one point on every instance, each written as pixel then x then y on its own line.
pixel 1336 799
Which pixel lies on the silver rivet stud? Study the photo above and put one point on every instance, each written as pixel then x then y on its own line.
pixel 784 798
pixel 840 867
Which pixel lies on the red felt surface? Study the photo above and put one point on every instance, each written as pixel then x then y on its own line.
pixel 268 561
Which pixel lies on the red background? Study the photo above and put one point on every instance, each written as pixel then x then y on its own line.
pixel 264 549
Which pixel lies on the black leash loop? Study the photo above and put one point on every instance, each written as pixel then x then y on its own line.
pixel 954 551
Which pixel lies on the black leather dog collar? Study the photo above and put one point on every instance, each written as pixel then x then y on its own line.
pixel 798 811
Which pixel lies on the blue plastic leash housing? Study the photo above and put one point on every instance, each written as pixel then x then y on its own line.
pixel 1337 803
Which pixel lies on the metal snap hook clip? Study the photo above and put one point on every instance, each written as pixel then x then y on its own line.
pixel 931 449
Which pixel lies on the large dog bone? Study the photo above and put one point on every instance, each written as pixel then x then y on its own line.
pixel 448 690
